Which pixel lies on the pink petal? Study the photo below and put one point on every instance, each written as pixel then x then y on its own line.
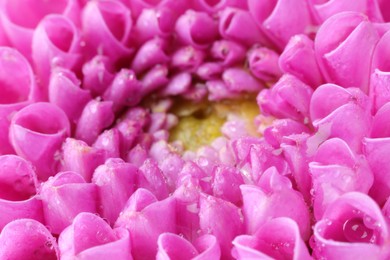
pixel 96 116
pixel 197 29
pixel 18 184
pixel 64 196
pixel 298 58
pixel 174 247
pixel 375 150
pixel 263 63
pixel 263 203
pixel 77 156
pixel 97 74
pixel 352 227
pixel 239 80
pixel 187 58
pixel 150 54
pixel 337 170
pixel 154 79
pixel 125 90
pixel 279 238
pixel 238 25
pixel 30 240
pixel 146 224
pixel 152 178
pixel 226 184
pixel 328 97
pixel 276 20
pixel 209 71
pixel 213 6
pixel 288 98
pixel 36 133
pixel 221 219
pixel 17 91
pixel 370 8
pixel 338 61
pixel 208 248
pixel 109 142
pixel 115 181
pixel 106 26
pixel 155 22
pixel 352 130
pixel 20 18
pixel 55 43
pixel 65 86
pixel 90 237
pixel 228 52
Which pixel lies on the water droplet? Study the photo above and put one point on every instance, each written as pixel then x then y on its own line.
pixel 355 231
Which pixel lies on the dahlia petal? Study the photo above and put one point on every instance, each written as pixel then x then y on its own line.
pixel 115 180
pixel 65 86
pixel 109 141
pixel 154 79
pixel 153 179
pixel 153 22
pixel 197 29
pixel 380 125
pixel 96 116
pixel 375 150
pixel 228 52
pixel 98 74
pixel 281 129
pixel 145 223
pixel 55 43
pixel 107 27
pixel 226 184
pixel 353 130
pixel 221 219
pixel 208 247
pixel 187 208
pixel 179 84
pixel 338 61
pixel 218 90
pixel 209 71
pixel 187 58
pixel 64 196
pixel 278 238
pixel 90 237
pixel 274 198
pixel 20 18
pixel 36 133
pixel 125 90
pixel 323 11
pixel 328 97
pixel 239 80
pixel 298 58
pixel 288 98
pixel 218 5
pixel 379 93
pixel 17 91
pixel 172 246
pixel 178 6
pixel 41 244
pixel 78 157
pixel 239 26
pixel 129 131
pixel 352 227
pixel 18 184
pixel 263 63
pixel 298 152
pixel 150 54
pixel 337 170
pixel 276 20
